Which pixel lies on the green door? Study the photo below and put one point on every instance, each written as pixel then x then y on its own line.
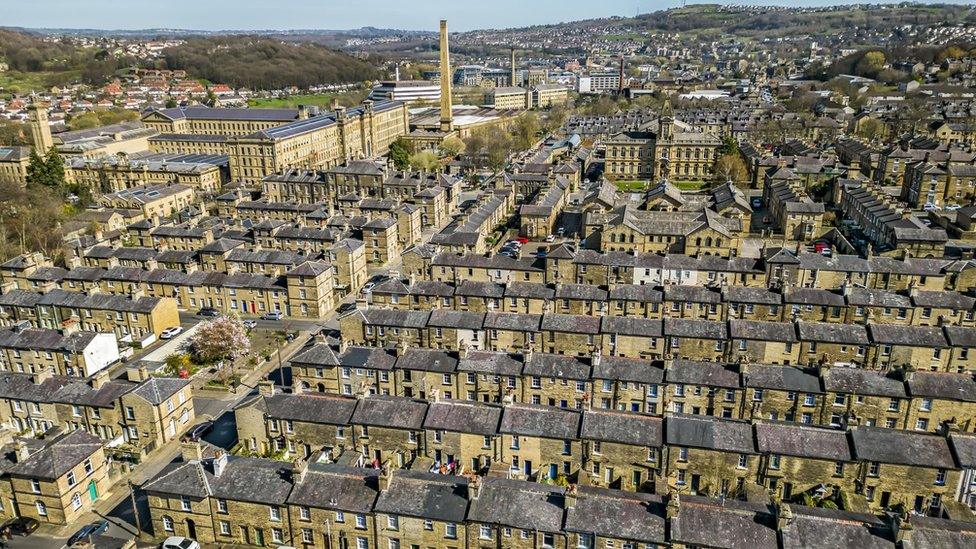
pixel 92 490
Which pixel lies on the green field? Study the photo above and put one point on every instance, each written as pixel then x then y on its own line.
pixel 23 82
pixel 323 100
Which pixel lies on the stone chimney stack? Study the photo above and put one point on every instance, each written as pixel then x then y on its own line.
pixel 191 451
pixel 299 470
pixel 514 81
pixel 447 118
pixel 21 451
pixel 623 77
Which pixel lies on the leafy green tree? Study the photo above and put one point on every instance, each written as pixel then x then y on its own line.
pixel 870 64
pixel 730 167
pixel 47 170
pixel 424 160
pixel 171 103
pixel 36 169
pixel 452 146
pixel 400 154
pixel 524 130
pixel 729 146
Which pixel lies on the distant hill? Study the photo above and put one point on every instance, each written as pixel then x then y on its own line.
pixel 265 63
pixel 36 64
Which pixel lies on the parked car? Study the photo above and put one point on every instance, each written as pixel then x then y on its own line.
pixel 170 333
pixel 250 323
pixel 273 315
pixel 87 531
pixel 551 238
pixel 179 542
pixel 208 312
pixel 523 240
pixel 198 431
pixel 21 526
pixel 756 203
pixel 368 287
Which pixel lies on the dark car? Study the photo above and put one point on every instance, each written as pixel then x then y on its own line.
pixel 207 311
pixel 21 526
pixel 198 431
pixel 87 531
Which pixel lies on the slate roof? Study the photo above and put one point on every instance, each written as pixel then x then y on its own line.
pixel 463 416
pixel 253 479
pixel 712 374
pixel 557 366
pixel 516 504
pixel 390 411
pixel 541 421
pixel 617 514
pixel 58 456
pixel 901 447
pixel 758 330
pixel 833 529
pixel 730 524
pixel 628 369
pixel 491 362
pixel 427 495
pixel 156 390
pixel 863 382
pixel 334 487
pixel 710 433
pixel 826 332
pixel 782 378
pixel 795 439
pixel 310 408
pixel 632 326
pixel 577 324
pixel 943 385
pixel 428 360
pixel 624 427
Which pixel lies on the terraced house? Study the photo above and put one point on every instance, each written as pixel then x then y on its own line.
pixel 330 505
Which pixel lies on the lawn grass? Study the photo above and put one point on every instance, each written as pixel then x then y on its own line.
pixel 631 186
pixel 322 100
pixel 690 185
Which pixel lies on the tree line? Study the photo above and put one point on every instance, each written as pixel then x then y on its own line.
pixel 266 64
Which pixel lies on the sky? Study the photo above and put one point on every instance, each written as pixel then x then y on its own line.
pixel 325 14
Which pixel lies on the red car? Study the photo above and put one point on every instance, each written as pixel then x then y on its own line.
pixel 523 240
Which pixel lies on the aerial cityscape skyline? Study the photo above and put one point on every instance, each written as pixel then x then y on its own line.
pixel 214 15
pixel 702 279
